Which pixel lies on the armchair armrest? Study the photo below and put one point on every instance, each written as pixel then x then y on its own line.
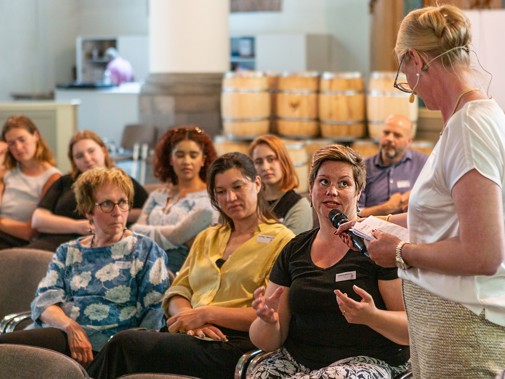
pixel 243 362
pixel 248 362
pixel 12 321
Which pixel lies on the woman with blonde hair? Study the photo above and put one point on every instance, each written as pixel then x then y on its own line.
pixel 279 181
pixel 56 218
pixel 28 171
pixel 101 284
pixel 453 265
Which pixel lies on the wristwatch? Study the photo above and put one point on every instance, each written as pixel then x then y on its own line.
pixel 400 263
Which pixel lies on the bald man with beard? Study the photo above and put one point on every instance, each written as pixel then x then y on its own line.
pixel 391 174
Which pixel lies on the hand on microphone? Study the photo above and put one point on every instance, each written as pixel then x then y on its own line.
pixel 337 219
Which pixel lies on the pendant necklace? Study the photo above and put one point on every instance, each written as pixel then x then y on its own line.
pixel 457 104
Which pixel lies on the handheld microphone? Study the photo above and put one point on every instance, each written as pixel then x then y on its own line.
pixel 337 218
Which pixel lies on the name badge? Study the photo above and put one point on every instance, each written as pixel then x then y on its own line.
pixel 351 275
pixel 124 265
pixel 264 238
pixel 403 183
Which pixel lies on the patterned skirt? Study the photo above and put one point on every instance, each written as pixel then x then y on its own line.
pixel 282 365
pixel 447 340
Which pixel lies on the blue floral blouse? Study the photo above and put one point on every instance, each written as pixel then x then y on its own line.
pixel 106 289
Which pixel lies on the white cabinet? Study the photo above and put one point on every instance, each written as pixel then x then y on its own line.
pixel 282 52
pixel 91 61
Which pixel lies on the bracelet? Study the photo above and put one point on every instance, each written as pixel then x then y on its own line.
pixel 388 216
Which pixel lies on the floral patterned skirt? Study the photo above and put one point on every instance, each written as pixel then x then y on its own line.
pixel 281 365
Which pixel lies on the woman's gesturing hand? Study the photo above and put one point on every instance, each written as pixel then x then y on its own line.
pixel 356 312
pixel 266 307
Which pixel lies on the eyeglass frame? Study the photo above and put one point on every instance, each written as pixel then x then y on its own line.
pixel 101 204
pixel 400 86
pixel 425 67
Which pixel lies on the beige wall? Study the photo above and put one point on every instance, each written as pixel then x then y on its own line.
pixel 38 36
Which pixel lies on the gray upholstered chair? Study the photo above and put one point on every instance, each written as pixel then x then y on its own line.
pixel 20 273
pixel 29 362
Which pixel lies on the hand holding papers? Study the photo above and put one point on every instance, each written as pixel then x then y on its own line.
pixel 365 227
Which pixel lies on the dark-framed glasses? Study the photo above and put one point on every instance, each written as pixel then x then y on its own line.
pixel 402 86
pixel 107 206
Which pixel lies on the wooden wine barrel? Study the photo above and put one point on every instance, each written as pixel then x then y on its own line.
pixel 296 104
pixel 365 147
pixel 298 155
pixel 245 105
pixel 224 145
pixel 342 105
pixel 383 100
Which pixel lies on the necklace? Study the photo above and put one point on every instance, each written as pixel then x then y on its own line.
pixel 92 244
pixel 457 103
pixel 171 201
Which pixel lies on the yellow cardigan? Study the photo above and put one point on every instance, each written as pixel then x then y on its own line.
pixel 202 283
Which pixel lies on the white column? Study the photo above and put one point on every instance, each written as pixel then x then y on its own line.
pixel 189 36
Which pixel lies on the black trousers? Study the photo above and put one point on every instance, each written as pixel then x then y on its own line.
pixel 7 241
pixel 136 351
pixel 49 338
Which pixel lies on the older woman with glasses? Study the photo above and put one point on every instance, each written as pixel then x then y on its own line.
pixel 453 266
pixel 174 214
pixel 98 285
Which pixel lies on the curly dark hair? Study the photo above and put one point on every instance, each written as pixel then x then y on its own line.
pixel 162 167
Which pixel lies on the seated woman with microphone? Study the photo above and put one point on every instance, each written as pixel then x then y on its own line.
pixel 330 310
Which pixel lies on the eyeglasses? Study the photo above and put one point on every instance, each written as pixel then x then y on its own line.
pixel 403 86
pixel 107 206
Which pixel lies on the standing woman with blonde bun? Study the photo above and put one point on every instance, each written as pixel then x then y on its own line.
pixel 454 264
pixel 29 170
pixel 279 180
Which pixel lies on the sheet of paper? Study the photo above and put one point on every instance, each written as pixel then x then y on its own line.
pixel 365 227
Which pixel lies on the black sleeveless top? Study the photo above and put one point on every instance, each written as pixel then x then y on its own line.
pixel 284 204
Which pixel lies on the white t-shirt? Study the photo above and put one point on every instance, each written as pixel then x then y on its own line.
pixel 473 139
pixel 22 193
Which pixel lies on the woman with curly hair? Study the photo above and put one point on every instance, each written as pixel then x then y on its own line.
pixel 174 214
